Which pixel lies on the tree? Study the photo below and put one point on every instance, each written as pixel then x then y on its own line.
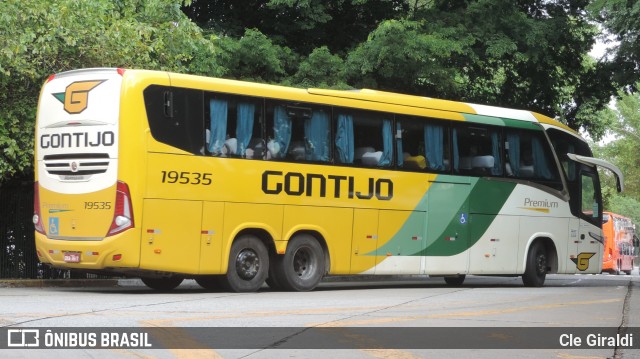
pixel 530 55
pixel 524 54
pixel 624 151
pixel 254 57
pixel 621 19
pixel 404 56
pixel 50 36
pixel 321 69
pixel 299 25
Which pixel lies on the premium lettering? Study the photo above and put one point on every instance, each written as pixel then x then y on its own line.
pixel 528 202
pixel 77 139
pixel 313 184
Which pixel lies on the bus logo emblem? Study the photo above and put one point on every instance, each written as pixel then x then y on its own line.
pixel 76 96
pixel 582 262
pixel 74 166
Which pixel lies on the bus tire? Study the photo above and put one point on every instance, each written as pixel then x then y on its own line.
pixel 162 283
pixel 536 269
pixel 210 282
pixel 454 280
pixel 302 266
pixel 248 265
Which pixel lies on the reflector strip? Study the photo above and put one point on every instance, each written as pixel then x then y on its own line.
pixel 154 231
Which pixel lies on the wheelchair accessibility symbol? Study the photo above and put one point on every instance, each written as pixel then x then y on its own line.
pixel 53 225
pixel 463 218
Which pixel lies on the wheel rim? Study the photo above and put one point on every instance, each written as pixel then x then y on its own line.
pixel 541 264
pixel 303 263
pixel 247 264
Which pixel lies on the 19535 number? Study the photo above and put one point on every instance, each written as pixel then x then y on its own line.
pixel 187 177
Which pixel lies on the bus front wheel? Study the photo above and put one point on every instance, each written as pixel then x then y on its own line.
pixel 536 269
pixel 248 265
pixel 302 266
pixel 162 283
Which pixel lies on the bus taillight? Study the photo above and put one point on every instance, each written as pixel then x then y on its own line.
pixel 37 218
pixel 123 214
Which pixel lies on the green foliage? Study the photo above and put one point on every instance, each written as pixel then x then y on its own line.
pixel 298 25
pixel 320 69
pixel 529 55
pixel 624 151
pixel 626 206
pixel 254 57
pixel 50 36
pixel 400 55
pixel 621 20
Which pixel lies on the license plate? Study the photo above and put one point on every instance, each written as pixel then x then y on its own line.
pixel 72 257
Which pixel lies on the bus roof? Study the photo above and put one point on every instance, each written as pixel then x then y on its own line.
pixel 366 95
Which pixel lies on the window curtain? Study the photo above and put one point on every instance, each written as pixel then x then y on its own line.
pixel 399 147
pixel 513 139
pixel 281 131
pixel 344 139
pixel 540 163
pixel 387 144
pixel 434 146
pixel 218 127
pixel 244 127
pixel 316 133
pixel 495 152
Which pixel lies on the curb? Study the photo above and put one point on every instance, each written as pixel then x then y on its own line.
pixel 129 282
pixel 45 283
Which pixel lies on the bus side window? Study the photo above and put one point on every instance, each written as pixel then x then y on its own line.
pixel 234 127
pixel 175 117
pixel 477 151
pixel 364 138
pixel 529 157
pixel 423 146
pixel 298 132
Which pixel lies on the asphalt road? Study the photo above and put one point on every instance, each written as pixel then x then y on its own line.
pixel 397 311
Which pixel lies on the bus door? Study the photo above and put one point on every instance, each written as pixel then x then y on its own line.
pixel 586 241
pixel 447 226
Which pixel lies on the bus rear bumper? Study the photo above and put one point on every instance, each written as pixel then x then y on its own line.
pixel 118 251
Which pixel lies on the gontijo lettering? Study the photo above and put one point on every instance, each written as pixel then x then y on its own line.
pixel 77 139
pixel 315 184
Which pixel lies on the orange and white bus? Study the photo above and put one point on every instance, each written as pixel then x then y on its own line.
pixel 169 176
pixel 619 250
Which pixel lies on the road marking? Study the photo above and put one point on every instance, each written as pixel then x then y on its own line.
pixel 464 314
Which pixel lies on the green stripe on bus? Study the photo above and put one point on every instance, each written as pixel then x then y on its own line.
pixel 446 235
pixel 487 197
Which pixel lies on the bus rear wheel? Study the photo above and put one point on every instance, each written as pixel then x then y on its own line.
pixel 302 266
pixel 248 265
pixel 162 283
pixel 536 269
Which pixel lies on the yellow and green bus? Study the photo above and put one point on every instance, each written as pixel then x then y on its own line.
pixel 169 176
